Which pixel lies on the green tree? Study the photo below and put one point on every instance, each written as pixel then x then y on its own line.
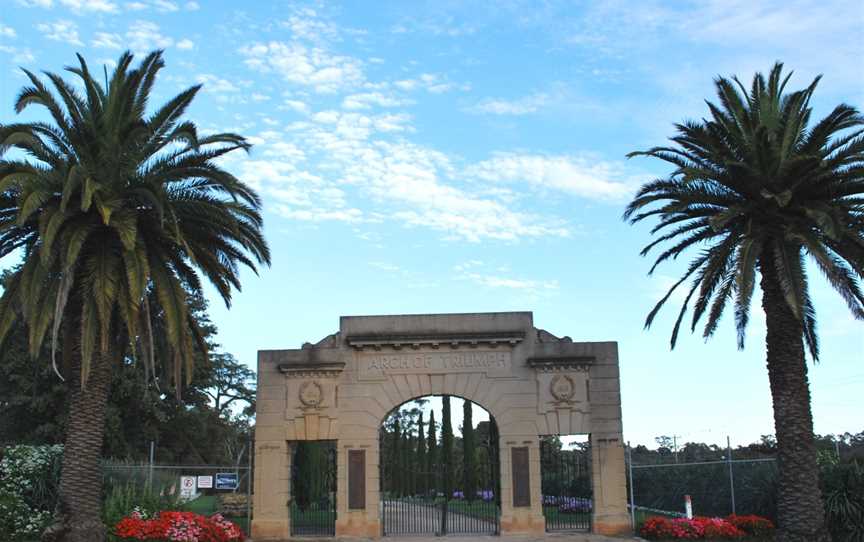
pixel 422 481
pixel 396 458
pixel 229 381
pixel 447 447
pixel 117 212
pixel 469 453
pixel 432 453
pixel 760 188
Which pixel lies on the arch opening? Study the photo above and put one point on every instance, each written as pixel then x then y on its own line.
pixel 439 468
pixel 565 482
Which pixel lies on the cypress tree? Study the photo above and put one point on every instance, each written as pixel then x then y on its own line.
pixel 469 451
pixel 396 457
pixel 302 475
pixel 447 448
pixel 421 455
pixel 409 453
pixel 431 454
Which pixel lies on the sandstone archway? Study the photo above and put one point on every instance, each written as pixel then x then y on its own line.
pixel 532 382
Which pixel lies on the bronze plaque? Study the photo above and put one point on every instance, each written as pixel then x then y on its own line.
pixel 521 477
pixel 356 479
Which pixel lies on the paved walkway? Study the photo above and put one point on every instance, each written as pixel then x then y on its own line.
pixel 548 537
pixel 413 519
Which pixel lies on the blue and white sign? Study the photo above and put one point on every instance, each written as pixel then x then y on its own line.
pixel 226 480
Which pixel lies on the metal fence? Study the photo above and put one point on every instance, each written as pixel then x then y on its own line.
pixel 203 489
pixel 716 488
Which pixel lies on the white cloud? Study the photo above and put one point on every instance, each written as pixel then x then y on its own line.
pixel 185 44
pixel 258 97
pixel 165 6
pixel 580 176
pixel 192 6
pixel 136 6
pixel 384 266
pixel 407 84
pixel 36 3
pixel 434 83
pixel 520 106
pixel 7 31
pixel 340 161
pixel 213 83
pixel 306 66
pixel 105 40
pixel 83 6
pixel 62 30
pixel 144 36
pixel 477 272
pixel 295 105
pixel 305 25
pixel 20 55
pixel 367 100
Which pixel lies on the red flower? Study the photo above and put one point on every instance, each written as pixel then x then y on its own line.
pixel 173 526
pixel 657 528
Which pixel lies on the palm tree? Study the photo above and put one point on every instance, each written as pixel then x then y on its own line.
pixel 759 189
pixel 117 213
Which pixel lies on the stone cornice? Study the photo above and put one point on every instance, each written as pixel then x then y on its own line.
pixel 311 370
pixel 562 363
pixel 452 340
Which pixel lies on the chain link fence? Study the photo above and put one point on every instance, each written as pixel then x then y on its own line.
pixel 203 489
pixel 716 488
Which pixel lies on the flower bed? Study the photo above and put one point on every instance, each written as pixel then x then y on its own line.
pixel 178 527
pixel 699 528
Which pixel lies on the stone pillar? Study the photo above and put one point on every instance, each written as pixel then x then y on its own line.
pixel 609 483
pixel 521 519
pixel 272 491
pixel 350 522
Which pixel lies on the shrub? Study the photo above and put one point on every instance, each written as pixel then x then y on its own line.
pixel 843 491
pixel 752 525
pixel 660 528
pixel 123 500
pixel 28 490
pixel 178 527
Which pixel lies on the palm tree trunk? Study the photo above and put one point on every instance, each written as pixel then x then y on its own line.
pixel 800 512
pixel 81 478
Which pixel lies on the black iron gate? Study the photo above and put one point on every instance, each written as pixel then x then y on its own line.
pixel 419 500
pixel 566 485
pixel 313 488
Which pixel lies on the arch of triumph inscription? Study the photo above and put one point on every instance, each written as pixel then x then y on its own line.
pixel 343 387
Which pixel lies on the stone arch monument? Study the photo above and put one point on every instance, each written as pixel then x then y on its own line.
pixel 341 389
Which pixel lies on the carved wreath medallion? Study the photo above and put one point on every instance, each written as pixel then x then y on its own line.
pixel 311 394
pixel 562 388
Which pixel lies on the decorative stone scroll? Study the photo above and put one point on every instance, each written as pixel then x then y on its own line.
pixel 563 398
pixel 311 393
pixel 562 387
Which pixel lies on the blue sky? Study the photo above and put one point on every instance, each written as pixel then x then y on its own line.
pixel 466 157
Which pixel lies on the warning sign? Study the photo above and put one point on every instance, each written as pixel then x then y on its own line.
pixel 187 487
pixel 205 482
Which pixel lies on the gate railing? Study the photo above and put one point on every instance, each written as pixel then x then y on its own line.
pixel 566 487
pixel 434 514
pixel 313 488
pixel 415 502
